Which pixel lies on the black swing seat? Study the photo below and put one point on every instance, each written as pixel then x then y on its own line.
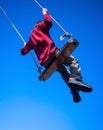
pixel 63 54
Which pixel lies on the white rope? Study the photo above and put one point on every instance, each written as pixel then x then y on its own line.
pixel 51 17
pixel 12 24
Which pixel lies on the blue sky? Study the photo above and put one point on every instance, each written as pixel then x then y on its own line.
pixel 29 104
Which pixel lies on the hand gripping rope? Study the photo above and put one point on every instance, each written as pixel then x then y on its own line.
pixel 65 32
pixel 39 68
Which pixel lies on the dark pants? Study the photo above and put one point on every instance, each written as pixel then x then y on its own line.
pixel 72 63
pixel 73 72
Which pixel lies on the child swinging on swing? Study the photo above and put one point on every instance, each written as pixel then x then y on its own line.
pixel 44 47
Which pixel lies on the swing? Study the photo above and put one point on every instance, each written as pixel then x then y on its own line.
pixel 64 53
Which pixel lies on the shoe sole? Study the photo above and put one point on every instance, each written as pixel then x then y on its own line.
pixel 76 99
pixel 80 86
pixel 76 95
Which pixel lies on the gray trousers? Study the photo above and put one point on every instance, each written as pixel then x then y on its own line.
pixel 72 63
pixel 74 69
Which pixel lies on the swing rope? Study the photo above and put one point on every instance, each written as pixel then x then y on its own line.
pixel 60 26
pixel 5 14
pixel 12 24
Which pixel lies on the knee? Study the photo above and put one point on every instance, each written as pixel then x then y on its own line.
pixel 75 64
pixel 61 69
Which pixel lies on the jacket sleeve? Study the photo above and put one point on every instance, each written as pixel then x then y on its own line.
pixel 26 49
pixel 47 19
pixel 46 24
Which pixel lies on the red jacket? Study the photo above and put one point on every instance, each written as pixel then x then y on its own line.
pixel 40 41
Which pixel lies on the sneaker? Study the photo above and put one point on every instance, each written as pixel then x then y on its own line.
pixel 78 84
pixel 75 94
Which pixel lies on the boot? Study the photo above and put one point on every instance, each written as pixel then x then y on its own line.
pixel 78 84
pixel 75 94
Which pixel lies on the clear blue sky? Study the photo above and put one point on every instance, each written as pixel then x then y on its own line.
pixel 28 104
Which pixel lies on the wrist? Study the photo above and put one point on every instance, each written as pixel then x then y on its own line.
pixel 44 11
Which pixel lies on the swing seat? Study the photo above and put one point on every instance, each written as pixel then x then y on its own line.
pixel 63 54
